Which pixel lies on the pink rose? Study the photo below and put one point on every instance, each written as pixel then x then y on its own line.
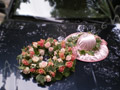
pixel 43 64
pixel 62 50
pixel 48 78
pixel 47 45
pixel 68 58
pixel 42 52
pixel 26 70
pixel 35 59
pixel 50 49
pixel 35 44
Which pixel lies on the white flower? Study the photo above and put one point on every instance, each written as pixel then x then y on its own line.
pixel 31 49
pixel 35 44
pixel 42 52
pixel 33 65
pixel 41 57
pixel 68 57
pixel 59 60
pixel 62 50
pixel 43 64
pixel 48 78
pixel 54 58
pixel 26 70
pixel 35 59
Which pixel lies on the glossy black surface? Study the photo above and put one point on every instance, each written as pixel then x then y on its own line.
pixel 103 75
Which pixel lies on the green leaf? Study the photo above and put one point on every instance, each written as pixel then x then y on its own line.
pixel 90 53
pixel 66 72
pixel 58 76
pixel 21 67
pixel 19 57
pixel 40 79
pixel 30 61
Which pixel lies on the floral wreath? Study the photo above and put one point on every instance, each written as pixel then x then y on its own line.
pixel 47 60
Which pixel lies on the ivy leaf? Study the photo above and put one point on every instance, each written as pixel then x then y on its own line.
pixel 21 67
pixel 66 72
pixel 30 61
pixel 40 79
pixel 82 52
pixel 90 53
pixel 19 57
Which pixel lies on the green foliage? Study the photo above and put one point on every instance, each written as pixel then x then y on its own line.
pixel 40 79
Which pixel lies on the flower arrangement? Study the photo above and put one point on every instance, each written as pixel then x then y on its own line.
pixel 47 60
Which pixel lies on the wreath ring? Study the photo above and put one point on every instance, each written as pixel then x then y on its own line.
pixel 47 60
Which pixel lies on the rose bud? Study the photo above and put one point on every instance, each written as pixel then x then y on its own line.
pixel 35 59
pixel 69 64
pixel 61 69
pixel 32 70
pixel 52 74
pixel 50 49
pixel 48 78
pixel 68 58
pixel 25 62
pixel 59 60
pixel 41 58
pixel 55 40
pixel 54 58
pixel 63 44
pixel 26 70
pixel 42 52
pixel 47 45
pixel 41 71
pixel 41 42
pixel 43 64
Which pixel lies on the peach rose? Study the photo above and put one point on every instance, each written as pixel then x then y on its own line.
pixel 31 49
pixel 43 64
pixel 35 58
pixel 54 58
pixel 55 52
pixel 47 45
pixel 35 44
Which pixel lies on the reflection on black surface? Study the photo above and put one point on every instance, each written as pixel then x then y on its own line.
pixel 14 35
pixel 58 8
